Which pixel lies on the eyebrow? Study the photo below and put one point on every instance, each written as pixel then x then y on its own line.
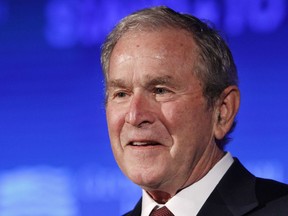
pixel 149 82
pixel 117 83
pixel 159 80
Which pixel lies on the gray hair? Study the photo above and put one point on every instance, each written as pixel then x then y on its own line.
pixel 215 67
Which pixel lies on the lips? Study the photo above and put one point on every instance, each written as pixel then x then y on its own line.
pixel 144 143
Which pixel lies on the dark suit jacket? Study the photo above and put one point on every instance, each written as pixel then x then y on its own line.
pixel 241 193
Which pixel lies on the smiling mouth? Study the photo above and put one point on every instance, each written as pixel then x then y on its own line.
pixel 144 144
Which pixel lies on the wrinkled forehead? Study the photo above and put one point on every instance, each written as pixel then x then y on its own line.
pixel 152 57
pixel 164 43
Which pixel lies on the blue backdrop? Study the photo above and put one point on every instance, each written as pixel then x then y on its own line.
pixel 55 156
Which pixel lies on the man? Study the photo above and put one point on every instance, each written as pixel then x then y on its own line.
pixel 171 101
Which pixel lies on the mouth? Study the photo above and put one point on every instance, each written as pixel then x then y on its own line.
pixel 144 143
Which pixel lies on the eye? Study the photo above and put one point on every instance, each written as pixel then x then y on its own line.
pixel 120 94
pixel 160 90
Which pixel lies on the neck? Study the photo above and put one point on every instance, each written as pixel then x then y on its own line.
pixel 160 197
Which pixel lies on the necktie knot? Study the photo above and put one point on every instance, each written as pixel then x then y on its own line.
pixel 163 211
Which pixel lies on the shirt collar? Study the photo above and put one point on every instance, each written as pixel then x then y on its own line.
pixel 190 200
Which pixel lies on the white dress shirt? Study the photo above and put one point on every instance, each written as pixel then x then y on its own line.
pixel 189 201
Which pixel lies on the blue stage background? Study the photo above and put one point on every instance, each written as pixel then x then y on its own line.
pixel 55 156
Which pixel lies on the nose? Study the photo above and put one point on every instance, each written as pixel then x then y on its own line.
pixel 141 111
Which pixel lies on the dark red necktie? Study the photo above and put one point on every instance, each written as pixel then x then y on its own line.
pixel 164 211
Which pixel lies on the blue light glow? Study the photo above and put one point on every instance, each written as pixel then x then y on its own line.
pixel 52 108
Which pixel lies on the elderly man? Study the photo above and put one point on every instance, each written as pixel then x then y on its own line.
pixel 171 102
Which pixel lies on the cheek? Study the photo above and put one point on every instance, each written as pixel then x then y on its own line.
pixel 115 121
pixel 178 115
pixel 187 120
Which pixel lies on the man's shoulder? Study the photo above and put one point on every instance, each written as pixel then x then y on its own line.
pixel 268 190
pixel 272 196
pixel 243 189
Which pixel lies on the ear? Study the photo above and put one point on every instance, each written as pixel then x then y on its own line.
pixel 225 111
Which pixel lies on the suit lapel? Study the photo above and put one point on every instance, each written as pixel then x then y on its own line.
pixel 234 195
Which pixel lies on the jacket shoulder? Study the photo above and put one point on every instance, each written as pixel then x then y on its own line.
pixel 268 190
pixel 273 198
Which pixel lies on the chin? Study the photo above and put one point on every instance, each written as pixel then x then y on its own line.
pixel 146 180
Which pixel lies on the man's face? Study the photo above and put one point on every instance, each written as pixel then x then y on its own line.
pixel 159 125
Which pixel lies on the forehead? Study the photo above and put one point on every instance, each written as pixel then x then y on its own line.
pixel 142 57
pixel 161 43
